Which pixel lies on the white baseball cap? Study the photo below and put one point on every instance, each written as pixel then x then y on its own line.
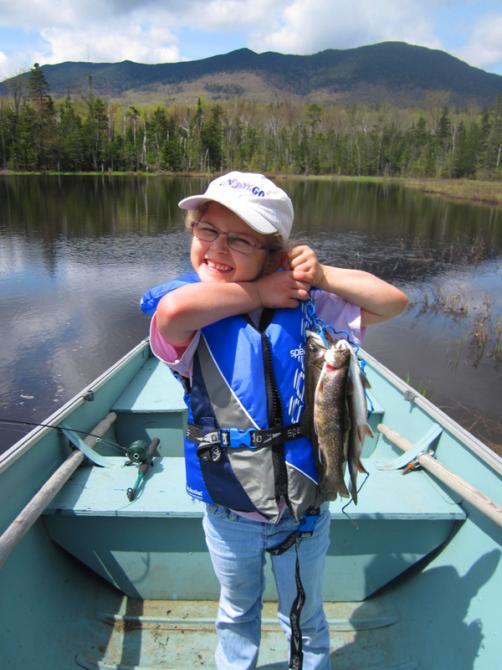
pixel 261 204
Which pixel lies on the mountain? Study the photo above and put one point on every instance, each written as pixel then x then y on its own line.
pixel 393 72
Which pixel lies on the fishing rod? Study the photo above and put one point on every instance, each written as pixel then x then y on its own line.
pixel 24 422
pixel 139 452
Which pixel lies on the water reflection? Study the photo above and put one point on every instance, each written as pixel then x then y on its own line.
pixel 76 254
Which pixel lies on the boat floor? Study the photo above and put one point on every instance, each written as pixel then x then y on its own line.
pixel 163 634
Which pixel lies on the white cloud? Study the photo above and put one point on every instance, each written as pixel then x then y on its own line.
pixel 143 44
pixel 228 14
pixel 484 46
pixel 9 66
pixel 97 31
pixel 313 25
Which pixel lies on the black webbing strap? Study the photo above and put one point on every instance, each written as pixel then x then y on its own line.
pixel 296 642
pixel 305 529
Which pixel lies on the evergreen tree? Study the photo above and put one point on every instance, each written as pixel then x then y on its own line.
pixel 493 160
pixel 95 135
pixel 444 136
pixel 211 137
pixel 45 131
pixel 172 156
pixel 463 164
pixel 24 154
pixel 70 144
pixel 38 88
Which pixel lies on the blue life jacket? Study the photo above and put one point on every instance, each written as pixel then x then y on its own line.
pixel 244 448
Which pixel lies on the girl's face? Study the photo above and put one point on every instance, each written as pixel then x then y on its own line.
pixel 216 262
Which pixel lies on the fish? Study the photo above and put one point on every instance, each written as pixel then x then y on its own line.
pixel 358 384
pixel 335 413
pixel 359 427
pixel 315 350
pixel 330 420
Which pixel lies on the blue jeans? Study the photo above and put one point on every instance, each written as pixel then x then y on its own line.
pixel 237 549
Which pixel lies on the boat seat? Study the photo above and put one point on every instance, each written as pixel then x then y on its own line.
pixel 150 406
pixel 143 546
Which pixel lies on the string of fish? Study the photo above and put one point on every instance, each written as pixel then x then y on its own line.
pixel 328 335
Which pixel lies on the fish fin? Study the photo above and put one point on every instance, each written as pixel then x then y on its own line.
pixel 353 482
pixel 343 490
pixel 364 431
pixel 365 381
pixel 359 465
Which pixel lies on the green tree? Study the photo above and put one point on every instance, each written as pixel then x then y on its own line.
pixel 172 154
pixel 38 88
pixel 45 121
pixel 70 144
pixel 462 160
pixel 493 159
pixel 444 141
pixel 24 154
pixel 211 138
pixel 95 134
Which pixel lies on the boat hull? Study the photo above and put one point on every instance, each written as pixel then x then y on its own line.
pixel 413 575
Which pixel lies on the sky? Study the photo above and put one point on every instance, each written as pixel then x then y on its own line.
pixel 160 31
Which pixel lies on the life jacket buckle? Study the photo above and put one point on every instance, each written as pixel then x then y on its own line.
pixel 241 438
pixel 307 525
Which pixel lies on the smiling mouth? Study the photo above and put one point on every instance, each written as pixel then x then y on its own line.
pixel 219 267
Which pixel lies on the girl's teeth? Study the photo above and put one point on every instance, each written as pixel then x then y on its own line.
pixel 217 266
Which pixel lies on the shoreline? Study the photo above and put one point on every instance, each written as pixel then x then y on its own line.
pixel 478 192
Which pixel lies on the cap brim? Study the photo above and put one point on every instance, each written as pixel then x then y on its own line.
pixel 248 216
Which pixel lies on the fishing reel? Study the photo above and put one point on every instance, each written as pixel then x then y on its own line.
pixel 136 452
pixel 141 454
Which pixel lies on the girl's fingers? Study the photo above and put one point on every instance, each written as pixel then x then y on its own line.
pixel 298 260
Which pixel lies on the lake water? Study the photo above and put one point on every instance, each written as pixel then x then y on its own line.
pixel 76 254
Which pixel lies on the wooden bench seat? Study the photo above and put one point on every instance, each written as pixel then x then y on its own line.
pixel 383 494
pixel 143 546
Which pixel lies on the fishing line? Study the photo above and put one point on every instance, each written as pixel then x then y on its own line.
pixel 320 326
pixel 15 422
pixel 351 501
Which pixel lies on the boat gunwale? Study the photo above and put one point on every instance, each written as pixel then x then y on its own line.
pixel 490 457
pixel 19 448
pixel 467 439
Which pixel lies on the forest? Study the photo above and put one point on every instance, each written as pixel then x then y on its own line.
pixel 91 134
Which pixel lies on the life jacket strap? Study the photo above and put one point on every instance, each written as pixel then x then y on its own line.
pixel 305 529
pixel 236 438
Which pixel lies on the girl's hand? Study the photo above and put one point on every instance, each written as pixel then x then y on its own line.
pixel 281 289
pixel 305 266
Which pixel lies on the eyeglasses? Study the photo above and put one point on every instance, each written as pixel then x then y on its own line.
pixel 206 232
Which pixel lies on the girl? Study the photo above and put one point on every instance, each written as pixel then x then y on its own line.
pixel 234 332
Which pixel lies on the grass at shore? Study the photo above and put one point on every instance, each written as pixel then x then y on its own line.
pixel 483 192
pixel 468 190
